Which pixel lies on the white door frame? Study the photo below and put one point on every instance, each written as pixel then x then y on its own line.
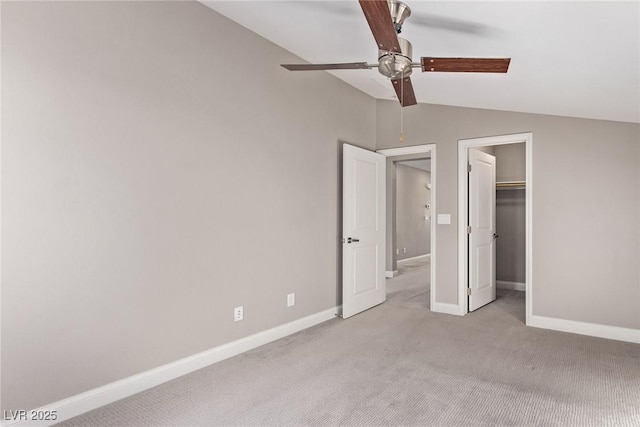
pixel 463 159
pixel 431 150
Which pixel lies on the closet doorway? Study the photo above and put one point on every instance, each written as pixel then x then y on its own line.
pixel 511 202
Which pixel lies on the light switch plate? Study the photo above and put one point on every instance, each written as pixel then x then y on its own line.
pixel 444 218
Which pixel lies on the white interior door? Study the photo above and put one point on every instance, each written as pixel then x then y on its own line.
pixel 482 220
pixel 363 228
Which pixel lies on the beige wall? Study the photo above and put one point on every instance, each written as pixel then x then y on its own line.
pixel 511 214
pixel 511 227
pixel 153 178
pixel 510 162
pixel 413 233
pixel 586 205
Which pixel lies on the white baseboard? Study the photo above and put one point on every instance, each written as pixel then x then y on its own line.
pixel 441 307
pixel 92 399
pixel 584 328
pixel 513 286
pixel 390 274
pixel 426 257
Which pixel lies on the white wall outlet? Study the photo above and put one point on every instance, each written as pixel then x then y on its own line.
pixel 398 251
pixel 291 300
pixel 238 313
pixel 404 250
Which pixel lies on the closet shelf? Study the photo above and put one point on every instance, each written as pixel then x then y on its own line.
pixel 511 185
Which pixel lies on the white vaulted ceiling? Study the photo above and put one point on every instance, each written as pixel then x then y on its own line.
pixel 576 58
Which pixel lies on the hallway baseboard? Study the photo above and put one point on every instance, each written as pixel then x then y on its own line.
pixel 512 286
pixel 426 257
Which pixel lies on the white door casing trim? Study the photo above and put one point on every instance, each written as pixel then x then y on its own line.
pixel 463 159
pixel 446 308
pixel 425 149
pixel 97 397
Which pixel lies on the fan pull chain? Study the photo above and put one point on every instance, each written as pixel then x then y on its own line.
pixel 402 108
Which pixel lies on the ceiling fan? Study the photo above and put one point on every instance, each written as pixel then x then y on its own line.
pixel 385 18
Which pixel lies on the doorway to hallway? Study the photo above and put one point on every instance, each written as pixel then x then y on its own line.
pixel 410 235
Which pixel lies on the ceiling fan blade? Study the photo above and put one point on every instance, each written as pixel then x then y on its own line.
pixel 465 65
pixel 404 90
pixel 316 67
pixel 379 19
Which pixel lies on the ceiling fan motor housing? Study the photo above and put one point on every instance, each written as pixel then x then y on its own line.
pixel 396 65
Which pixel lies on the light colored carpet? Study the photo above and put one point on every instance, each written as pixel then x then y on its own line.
pixel 411 287
pixel 402 365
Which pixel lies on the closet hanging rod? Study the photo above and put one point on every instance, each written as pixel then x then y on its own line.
pixel 511 184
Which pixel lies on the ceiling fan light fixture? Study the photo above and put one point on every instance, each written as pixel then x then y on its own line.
pixel 399 12
pixel 395 65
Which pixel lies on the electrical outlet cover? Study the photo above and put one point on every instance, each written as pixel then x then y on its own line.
pixel 238 313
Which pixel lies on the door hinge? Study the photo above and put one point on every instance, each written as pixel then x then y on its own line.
pixel 468 167
pixel 468 291
pixel 469 229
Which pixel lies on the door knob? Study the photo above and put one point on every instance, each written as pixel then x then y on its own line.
pixel 350 240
